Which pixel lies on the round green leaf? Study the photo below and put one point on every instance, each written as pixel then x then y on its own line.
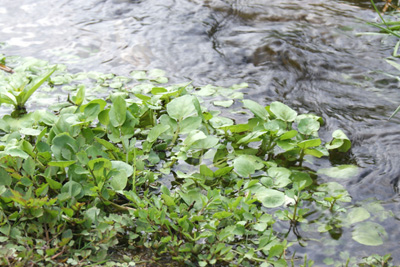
pixel 369 234
pixel 122 166
pixel 270 198
pixel 308 126
pixel 245 165
pixel 358 214
pixel 181 107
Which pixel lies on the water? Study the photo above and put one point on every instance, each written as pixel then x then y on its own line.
pixel 306 54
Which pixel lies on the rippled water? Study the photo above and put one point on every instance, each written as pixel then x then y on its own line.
pixel 304 53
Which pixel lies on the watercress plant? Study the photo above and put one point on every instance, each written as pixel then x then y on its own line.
pixel 148 170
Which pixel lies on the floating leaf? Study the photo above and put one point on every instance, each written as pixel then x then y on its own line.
pixel 356 215
pixel 224 103
pixel 369 234
pixel 341 172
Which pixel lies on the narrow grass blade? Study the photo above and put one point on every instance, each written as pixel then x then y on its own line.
pixel 395 112
pixel 27 93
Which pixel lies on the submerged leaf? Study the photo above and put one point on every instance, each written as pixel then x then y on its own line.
pixel 369 234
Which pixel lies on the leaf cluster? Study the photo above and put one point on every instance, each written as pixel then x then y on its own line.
pixel 149 168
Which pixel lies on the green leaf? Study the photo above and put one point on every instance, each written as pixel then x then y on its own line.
pixel 283 112
pixel 222 215
pixel 245 165
pixel 181 107
pixel 256 108
pixel 223 103
pixel 301 180
pixel 356 215
pixel 5 177
pixel 118 111
pixel 340 172
pixel 156 131
pixel 29 166
pixel 288 135
pixel 193 136
pixel 62 144
pixel 308 126
pixel 204 170
pixel 189 124
pixel 205 143
pixel 270 198
pixel 15 152
pixel 194 196
pixel 122 166
pixel 80 95
pixel 71 188
pixel 369 234
pixel 280 175
pixel 223 171
pixel 119 181
pixel 53 184
pixel 340 141
pixel 309 143
pixel 61 164
pixel 107 144
pixel 30 131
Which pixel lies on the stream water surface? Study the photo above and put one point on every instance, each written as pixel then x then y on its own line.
pixel 304 53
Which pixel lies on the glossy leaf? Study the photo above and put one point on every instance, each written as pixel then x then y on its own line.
pixel 181 107
pixel 283 112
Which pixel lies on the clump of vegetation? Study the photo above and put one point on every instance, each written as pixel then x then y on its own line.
pixel 150 171
pixel 391 28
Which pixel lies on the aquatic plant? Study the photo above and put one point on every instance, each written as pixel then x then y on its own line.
pixel 391 28
pixel 18 87
pixel 149 173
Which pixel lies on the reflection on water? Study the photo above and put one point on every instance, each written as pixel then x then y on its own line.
pixel 303 53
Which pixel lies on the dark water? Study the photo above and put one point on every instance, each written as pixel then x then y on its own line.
pixel 305 53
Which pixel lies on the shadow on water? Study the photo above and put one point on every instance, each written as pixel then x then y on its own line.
pixel 303 53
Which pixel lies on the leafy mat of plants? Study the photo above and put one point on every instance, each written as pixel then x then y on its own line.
pixel 130 170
